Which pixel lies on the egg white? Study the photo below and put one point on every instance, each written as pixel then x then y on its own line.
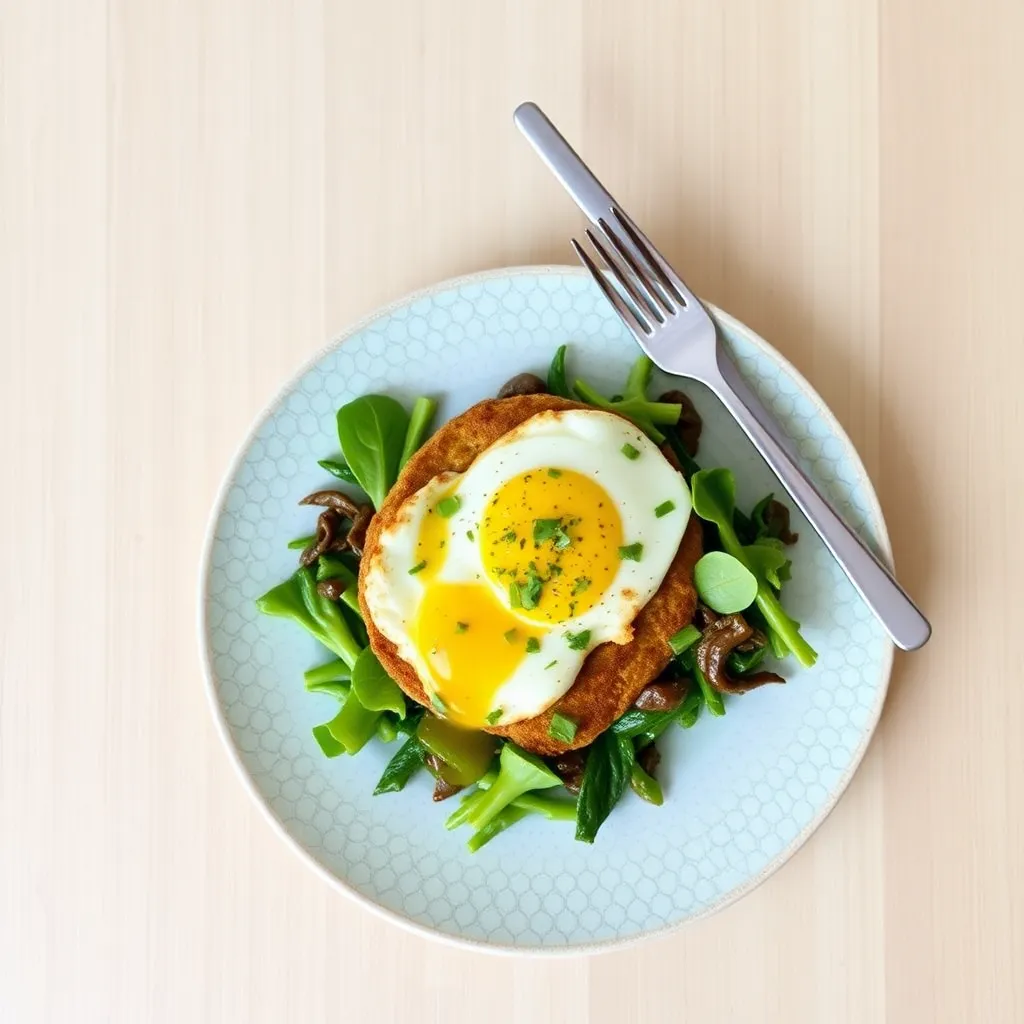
pixel 589 442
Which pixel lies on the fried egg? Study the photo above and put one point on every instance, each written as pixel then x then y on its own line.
pixel 495 584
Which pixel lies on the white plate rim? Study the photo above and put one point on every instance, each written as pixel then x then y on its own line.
pixel 877 524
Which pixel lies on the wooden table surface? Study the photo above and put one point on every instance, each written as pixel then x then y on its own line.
pixel 195 195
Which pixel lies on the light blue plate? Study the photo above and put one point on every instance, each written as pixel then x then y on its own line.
pixel 741 793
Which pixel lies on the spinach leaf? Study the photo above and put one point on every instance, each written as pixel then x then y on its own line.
pixel 402 767
pixel 714 499
pixel 423 410
pixel 557 384
pixel 372 432
pixel 608 769
pixel 338 468
pixel 724 583
pixel 373 687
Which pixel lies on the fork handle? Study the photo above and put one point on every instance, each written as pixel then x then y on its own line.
pixel 906 625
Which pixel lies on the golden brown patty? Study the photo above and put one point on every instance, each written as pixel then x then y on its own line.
pixel 613 674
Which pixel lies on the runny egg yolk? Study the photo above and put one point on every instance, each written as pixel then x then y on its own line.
pixel 469 640
pixel 550 538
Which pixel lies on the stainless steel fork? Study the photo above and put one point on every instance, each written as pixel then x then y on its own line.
pixel 675 330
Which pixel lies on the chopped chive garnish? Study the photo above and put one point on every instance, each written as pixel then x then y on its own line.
pixel 551 664
pixel 469 534
pixel 532 645
pixel 511 636
pixel 684 639
pixel 554 473
pixel 664 508
pixel 495 716
pixel 515 595
pixel 629 451
pixel 579 585
pixel 447 507
pixel 578 641
pixel 632 552
pixel 461 627
pixel 418 567
pixel 562 728
pixel 529 592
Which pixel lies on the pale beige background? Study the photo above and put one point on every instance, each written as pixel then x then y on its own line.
pixel 195 194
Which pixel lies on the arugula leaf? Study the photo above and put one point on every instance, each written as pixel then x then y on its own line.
pixel 301 543
pixel 714 499
pixel 408 760
pixel 724 582
pixel 372 431
pixel 609 765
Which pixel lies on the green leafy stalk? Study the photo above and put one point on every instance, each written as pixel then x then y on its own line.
pixel 330 568
pixel 331 672
pixel 714 499
pixel 645 786
pixel 518 773
pixel 503 820
pixel 423 410
pixel 297 599
pixel 643 413
pixel 712 698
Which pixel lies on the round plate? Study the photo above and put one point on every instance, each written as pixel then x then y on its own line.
pixel 741 792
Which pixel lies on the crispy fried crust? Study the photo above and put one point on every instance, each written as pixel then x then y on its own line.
pixel 613 674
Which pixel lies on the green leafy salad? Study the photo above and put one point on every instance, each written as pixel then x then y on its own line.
pixel 738 624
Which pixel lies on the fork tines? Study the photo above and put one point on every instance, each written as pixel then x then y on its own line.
pixel 646 292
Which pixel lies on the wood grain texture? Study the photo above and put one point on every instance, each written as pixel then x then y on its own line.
pixel 195 195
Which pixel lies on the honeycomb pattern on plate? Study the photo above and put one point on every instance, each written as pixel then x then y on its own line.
pixel 740 792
